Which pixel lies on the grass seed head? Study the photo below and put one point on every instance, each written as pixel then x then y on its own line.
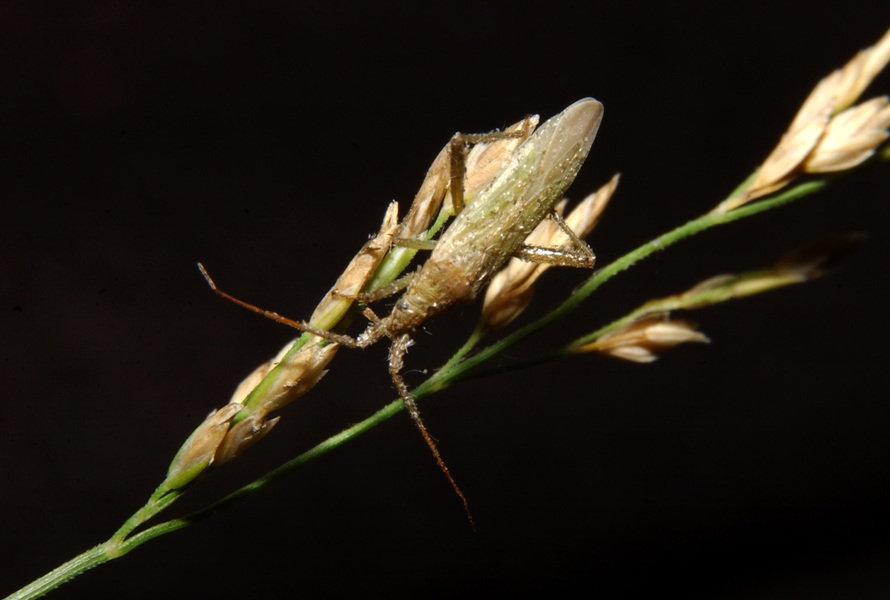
pixel 851 137
pixel 359 271
pixel 828 133
pixel 290 378
pixel 217 441
pixel 199 450
pixel 644 339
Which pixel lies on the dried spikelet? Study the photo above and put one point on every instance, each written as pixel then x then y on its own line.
pixel 748 285
pixel 587 214
pixel 243 435
pixel 296 375
pixel 251 381
pixel 851 137
pixel 214 442
pixel 359 271
pixel 291 377
pixel 643 339
pixel 824 135
pixel 781 165
pixel 197 453
pixel 857 74
pixel 428 199
pixel 511 290
pixel 803 264
pixel 649 331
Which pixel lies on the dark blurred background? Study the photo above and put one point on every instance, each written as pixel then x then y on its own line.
pixel 266 141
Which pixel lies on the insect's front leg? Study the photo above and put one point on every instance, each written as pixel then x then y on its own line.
pixel 386 291
pixel 459 149
pixel 465 165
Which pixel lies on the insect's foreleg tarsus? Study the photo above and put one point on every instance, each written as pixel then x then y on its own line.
pixel 396 362
pixel 386 291
pixel 343 340
pixel 573 253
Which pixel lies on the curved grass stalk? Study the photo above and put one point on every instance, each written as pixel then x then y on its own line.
pixel 458 368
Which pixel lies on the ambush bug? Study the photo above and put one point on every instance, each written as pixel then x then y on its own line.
pixel 483 236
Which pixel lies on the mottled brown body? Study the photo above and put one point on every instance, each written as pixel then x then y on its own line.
pixel 487 231
pixel 498 219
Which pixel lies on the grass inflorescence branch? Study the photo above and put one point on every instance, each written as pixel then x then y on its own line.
pixel 831 133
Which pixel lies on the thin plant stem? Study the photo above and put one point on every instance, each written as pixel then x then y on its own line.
pixel 456 369
pixel 82 562
pixel 461 370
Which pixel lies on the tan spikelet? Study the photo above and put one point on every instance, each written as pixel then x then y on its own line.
pixel 851 137
pixel 780 166
pixel 825 135
pixel 858 74
pixel 644 339
pixel 291 377
pixel 360 269
pixel 199 450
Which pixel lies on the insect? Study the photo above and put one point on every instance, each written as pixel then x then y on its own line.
pixel 483 236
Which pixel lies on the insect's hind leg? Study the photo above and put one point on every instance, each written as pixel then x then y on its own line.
pixel 396 362
pixel 574 252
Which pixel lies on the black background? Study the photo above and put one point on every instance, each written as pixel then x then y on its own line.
pixel 266 140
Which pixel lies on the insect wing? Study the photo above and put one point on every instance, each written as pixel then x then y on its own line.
pixel 520 196
pixel 561 146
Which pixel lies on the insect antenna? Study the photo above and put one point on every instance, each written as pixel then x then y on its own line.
pixel 344 340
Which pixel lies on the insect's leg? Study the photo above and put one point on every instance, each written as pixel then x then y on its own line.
pixel 343 340
pixel 377 329
pixel 458 156
pixel 573 253
pixel 396 362
pixel 459 148
pixel 561 223
pixel 466 171
pixel 384 292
